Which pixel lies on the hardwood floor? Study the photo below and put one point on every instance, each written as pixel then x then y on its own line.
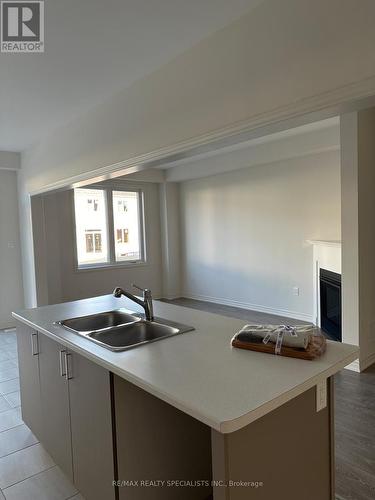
pixel 354 413
pixel 233 312
pixel 355 435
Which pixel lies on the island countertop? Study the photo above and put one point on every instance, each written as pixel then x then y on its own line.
pixel 197 372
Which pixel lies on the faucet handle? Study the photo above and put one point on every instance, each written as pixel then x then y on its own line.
pixel 138 287
pixel 146 291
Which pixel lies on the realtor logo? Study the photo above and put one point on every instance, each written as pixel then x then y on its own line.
pixel 22 26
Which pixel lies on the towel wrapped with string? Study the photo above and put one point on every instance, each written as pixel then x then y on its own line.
pixel 297 337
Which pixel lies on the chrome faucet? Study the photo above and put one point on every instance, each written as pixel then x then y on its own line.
pixel 146 303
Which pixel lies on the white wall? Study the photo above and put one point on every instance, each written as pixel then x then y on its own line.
pixel 170 239
pixel 358 174
pixel 244 233
pixel 366 233
pixel 61 281
pixel 10 160
pixel 11 293
pixel 267 66
pixel 349 227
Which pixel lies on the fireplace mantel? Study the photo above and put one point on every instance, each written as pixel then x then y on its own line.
pixel 326 255
pixel 326 243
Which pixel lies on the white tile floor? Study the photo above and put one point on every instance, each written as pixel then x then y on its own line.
pixel 27 472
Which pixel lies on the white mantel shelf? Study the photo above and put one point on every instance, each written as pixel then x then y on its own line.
pixel 327 243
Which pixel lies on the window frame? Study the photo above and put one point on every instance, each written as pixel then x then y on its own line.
pixel 112 262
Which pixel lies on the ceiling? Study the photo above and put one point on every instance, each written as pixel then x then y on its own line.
pixel 320 137
pixel 94 49
pixel 308 140
pixel 325 134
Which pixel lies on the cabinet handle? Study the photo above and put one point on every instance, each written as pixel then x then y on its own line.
pixel 62 363
pixel 34 344
pixel 68 372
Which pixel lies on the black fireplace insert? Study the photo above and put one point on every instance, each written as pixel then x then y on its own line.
pixel 330 304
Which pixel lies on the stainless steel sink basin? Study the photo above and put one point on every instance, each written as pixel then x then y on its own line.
pixel 120 330
pixel 99 322
pixel 129 336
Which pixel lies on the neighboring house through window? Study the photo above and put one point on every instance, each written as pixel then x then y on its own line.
pixel 101 241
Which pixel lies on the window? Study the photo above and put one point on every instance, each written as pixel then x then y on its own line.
pixel 93 242
pixel 126 225
pixel 101 241
pixel 122 235
pixel 93 204
pixel 91 226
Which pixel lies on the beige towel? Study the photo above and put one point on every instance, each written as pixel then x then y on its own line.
pixel 300 341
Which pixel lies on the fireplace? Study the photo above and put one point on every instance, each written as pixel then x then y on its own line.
pixel 330 304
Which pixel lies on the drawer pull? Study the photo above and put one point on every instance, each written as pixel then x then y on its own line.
pixel 34 344
pixel 62 360
pixel 68 363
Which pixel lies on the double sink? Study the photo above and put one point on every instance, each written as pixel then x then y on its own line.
pixel 120 329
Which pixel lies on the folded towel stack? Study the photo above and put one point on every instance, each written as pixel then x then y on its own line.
pixel 297 336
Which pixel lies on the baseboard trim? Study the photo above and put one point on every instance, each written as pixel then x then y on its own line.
pixel 367 362
pixel 171 296
pixel 354 366
pixel 360 365
pixel 7 324
pixel 253 307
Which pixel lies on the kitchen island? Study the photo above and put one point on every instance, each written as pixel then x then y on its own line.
pixel 187 417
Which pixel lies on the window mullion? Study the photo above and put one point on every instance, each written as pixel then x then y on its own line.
pixel 141 224
pixel 111 232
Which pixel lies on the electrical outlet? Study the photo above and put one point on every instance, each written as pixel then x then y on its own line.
pixel 321 395
pixel 296 290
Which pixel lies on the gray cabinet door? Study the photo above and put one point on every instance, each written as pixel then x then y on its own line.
pixel 155 441
pixel 91 424
pixel 55 403
pixel 28 360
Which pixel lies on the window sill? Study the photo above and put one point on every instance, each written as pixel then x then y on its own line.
pixel 106 267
